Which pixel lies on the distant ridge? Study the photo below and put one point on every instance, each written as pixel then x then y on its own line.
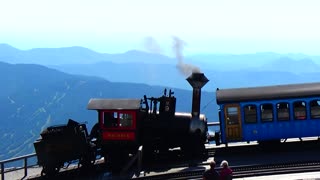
pixel 7 50
pixel 75 55
pixel 83 55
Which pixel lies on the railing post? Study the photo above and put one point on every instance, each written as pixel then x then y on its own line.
pixel 140 158
pixel 25 167
pixel 2 171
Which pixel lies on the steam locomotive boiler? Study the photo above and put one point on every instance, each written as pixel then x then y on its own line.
pixel 125 124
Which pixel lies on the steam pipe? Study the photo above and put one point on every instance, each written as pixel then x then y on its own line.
pixel 197 81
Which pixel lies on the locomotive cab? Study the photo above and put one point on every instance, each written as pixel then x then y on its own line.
pixel 116 127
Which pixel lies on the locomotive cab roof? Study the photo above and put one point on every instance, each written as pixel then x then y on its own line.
pixel 101 104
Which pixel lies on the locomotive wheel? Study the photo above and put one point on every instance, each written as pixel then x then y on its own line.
pixel 198 147
pixel 201 150
pixel 117 161
pixel 186 150
pixel 88 160
pixel 147 152
pixel 49 170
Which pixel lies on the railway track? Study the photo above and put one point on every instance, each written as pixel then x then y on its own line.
pixel 246 162
pixel 245 171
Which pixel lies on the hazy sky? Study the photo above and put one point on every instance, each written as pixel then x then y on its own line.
pixel 213 26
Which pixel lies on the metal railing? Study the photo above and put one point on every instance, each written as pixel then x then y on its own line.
pixel 213 123
pixel 20 158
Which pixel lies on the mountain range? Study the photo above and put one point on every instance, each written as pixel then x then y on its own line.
pixel 223 70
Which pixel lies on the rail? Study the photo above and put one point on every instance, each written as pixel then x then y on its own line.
pixel 244 171
pixel 25 165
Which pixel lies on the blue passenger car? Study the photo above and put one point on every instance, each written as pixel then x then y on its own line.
pixel 269 113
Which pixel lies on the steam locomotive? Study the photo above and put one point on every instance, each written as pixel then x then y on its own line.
pixel 124 125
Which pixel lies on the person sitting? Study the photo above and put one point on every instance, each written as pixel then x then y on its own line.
pixel 211 174
pixel 226 172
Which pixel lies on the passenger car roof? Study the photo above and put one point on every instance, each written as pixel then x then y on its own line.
pixel 267 92
pixel 115 104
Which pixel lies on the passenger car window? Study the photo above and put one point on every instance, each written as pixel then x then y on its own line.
pixel 283 112
pixel 232 115
pixel 299 108
pixel 266 112
pixel 315 109
pixel 250 113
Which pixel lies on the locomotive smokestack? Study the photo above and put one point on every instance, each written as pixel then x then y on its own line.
pixel 197 81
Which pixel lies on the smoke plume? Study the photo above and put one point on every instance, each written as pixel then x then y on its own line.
pixel 178 44
pixel 152 45
pixel 185 69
